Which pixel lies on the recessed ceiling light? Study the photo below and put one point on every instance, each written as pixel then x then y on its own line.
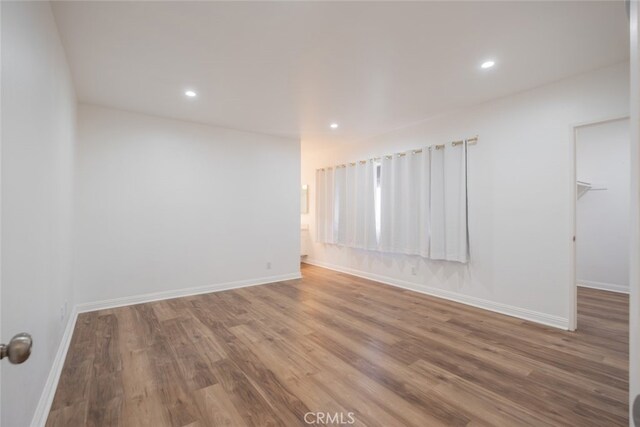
pixel 333 126
pixel 488 64
pixel 191 94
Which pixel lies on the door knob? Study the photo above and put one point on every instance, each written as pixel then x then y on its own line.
pixel 19 348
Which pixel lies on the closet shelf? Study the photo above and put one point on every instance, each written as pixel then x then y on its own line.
pixel 584 186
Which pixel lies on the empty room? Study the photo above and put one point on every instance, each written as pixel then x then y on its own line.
pixel 310 213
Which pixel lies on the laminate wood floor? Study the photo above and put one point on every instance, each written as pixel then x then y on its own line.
pixel 334 343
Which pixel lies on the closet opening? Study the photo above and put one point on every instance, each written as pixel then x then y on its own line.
pixel 601 238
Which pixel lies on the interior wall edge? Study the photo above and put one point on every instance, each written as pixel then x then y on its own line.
pixel 509 310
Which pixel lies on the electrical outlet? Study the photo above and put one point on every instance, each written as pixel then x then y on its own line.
pixel 414 271
pixel 269 265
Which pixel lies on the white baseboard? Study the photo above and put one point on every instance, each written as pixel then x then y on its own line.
pixel 46 398
pixel 612 287
pixel 49 391
pixel 521 313
pixel 157 296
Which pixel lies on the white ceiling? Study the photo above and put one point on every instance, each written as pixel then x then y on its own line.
pixel 291 68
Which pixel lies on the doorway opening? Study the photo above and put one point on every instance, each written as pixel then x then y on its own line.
pixel 601 216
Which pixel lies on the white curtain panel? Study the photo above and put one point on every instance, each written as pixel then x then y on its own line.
pixel 351 203
pixel 455 190
pixel 438 214
pixel 340 206
pixel 449 204
pixel 405 192
pixel 320 206
pixel 423 204
pixel 365 206
pixel 325 223
pixel 387 200
pixel 329 213
pixel 345 206
pixel 423 239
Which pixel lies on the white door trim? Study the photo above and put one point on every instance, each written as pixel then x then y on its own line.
pixel 573 285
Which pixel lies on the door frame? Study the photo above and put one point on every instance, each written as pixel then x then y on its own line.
pixel 0 203
pixel 573 288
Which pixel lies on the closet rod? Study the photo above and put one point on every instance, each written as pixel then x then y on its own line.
pixel 470 141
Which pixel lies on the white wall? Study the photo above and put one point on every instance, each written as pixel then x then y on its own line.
pixel 165 205
pixel 520 196
pixel 602 216
pixel 38 125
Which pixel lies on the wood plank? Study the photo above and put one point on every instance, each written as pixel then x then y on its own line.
pixel 334 343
